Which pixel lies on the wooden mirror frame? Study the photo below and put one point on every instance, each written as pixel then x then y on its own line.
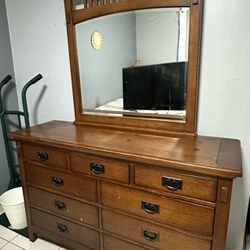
pixel 96 8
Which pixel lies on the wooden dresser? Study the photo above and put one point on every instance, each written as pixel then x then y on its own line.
pixel 91 188
pixel 136 178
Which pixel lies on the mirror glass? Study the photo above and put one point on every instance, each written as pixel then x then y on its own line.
pixel 135 63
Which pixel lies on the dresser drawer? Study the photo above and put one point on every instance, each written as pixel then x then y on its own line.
pixel 103 168
pixel 111 243
pixel 64 228
pixel 67 207
pixel 151 235
pixel 189 185
pixel 57 239
pixel 68 184
pixel 186 215
pixel 45 155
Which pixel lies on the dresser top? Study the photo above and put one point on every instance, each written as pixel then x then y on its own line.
pixel 201 154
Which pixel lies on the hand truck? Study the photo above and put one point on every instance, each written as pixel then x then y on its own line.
pixel 15 180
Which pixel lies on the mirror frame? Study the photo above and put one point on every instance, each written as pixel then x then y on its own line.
pixel 98 8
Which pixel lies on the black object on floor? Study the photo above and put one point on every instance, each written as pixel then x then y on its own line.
pixel 4 222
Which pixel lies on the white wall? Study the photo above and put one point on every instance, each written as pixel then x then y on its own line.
pixel 162 35
pixel 39 45
pixel 163 27
pixel 224 103
pixel 38 37
pixel 9 91
pixel 101 70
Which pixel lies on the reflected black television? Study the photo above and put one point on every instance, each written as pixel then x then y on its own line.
pixel 155 87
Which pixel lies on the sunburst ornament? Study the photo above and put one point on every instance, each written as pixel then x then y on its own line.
pixel 96 40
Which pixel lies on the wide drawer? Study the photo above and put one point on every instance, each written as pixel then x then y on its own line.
pixel 112 243
pixel 103 168
pixel 186 215
pixel 61 205
pixel 45 155
pixel 66 229
pixel 185 184
pixel 151 235
pixel 67 184
pixel 57 239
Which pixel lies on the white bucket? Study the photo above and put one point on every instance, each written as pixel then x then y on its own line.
pixel 13 205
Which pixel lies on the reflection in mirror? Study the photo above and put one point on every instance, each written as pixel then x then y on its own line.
pixel 78 4
pixel 135 63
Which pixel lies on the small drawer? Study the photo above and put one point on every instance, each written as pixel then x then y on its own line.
pixel 45 155
pixel 185 215
pixel 189 185
pixel 113 170
pixel 64 183
pixel 73 209
pixel 150 234
pixel 66 229
pixel 112 243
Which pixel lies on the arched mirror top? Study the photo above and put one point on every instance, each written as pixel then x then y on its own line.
pixel 134 63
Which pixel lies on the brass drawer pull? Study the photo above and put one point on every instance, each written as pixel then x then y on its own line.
pixel 150 235
pixel 150 207
pixel 42 156
pixel 57 181
pixel 171 183
pixel 60 205
pixel 61 228
pixel 97 168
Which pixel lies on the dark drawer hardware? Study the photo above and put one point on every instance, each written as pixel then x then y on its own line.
pixel 150 235
pixel 61 228
pixel 57 181
pixel 171 183
pixel 97 168
pixel 59 205
pixel 42 156
pixel 150 207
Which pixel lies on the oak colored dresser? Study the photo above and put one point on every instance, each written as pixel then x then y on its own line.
pixel 131 179
pixel 91 188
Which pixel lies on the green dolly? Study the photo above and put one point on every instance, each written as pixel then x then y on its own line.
pixel 4 114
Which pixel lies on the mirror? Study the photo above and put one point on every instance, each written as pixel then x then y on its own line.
pixel 135 63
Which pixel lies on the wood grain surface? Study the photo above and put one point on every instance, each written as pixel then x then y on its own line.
pixel 201 154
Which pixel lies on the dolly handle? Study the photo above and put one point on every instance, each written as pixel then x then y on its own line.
pixel 5 80
pixel 2 83
pixel 24 98
pixel 29 83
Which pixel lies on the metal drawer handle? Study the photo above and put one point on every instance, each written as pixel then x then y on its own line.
pixel 61 228
pixel 150 235
pixel 97 168
pixel 57 181
pixel 171 183
pixel 60 205
pixel 150 207
pixel 42 156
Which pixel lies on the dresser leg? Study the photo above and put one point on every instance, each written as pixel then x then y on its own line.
pixel 32 237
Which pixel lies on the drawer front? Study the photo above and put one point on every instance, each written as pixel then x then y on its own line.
pixel 67 207
pixel 73 185
pixel 57 239
pixel 45 155
pixel 108 169
pixel 184 184
pixel 189 216
pixel 64 228
pixel 111 243
pixel 151 235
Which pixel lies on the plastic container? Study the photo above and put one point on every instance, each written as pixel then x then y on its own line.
pixel 13 205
